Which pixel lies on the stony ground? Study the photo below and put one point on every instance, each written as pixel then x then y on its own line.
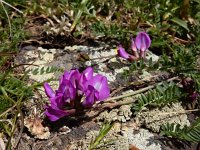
pixel 128 132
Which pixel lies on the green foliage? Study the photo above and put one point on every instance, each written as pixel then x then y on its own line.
pixel 102 133
pixel 191 134
pixel 180 23
pixel 161 95
pixel 17 35
pixel 138 66
pixel 109 31
pixel 44 70
pixel 13 90
pixel 181 60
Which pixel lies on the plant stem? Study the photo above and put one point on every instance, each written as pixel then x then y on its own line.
pixel 138 91
pixel 106 104
pixel 11 6
pixel 9 23
pixel 9 109
pixel 179 112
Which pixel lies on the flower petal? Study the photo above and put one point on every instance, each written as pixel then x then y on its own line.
pixel 54 113
pixel 88 73
pixel 100 84
pixel 67 89
pixel 134 49
pixel 133 46
pixel 142 41
pixel 74 76
pixel 122 53
pixel 48 90
pixel 58 101
pixel 90 96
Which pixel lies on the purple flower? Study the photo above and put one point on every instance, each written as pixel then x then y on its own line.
pixel 142 43
pixel 73 86
pixel 97 90
pixel 134 48
pixel 194 96
pixel 65 95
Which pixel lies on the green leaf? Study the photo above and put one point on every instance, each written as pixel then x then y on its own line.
pixel 191 134
pixel 102 133
pixel 180 23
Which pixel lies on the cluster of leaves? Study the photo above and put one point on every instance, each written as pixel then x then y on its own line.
pixel 182 60
pixel 44 70
pixel 139 66
pixel 186 133
pixel 13 92
pixel 161 95
pixel 11 29
pixel 119 19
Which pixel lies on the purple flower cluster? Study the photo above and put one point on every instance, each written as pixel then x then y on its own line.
pixel 189 87
pixel 76 91
pixel 139 46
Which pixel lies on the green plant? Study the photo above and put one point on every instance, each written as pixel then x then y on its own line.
pixel 181 60
pixel 13 93
pixel 44 70
pixel 161 95
pixel 191 134
pixel 102 133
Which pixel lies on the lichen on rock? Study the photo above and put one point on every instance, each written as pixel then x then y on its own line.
pixel 154 119
pixel 121 114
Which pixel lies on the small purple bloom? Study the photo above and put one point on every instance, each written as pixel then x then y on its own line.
pixel 142 41
pixel 122 53
pixel 194 96
pixel 86 75
pixel 134 48
pixel 97 90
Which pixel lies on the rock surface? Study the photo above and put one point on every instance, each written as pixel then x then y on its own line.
pixel 154 119
pixel 126 131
